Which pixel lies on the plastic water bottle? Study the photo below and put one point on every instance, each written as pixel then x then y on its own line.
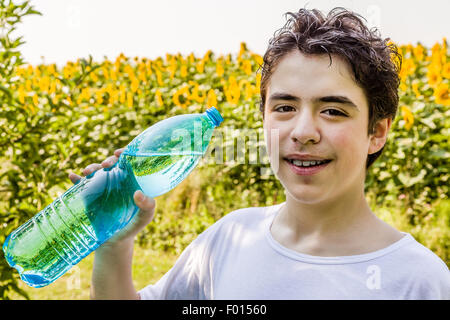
pixel 91 211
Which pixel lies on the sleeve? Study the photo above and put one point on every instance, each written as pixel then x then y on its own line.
pixel 433 282
pixel 191 276
pixel 438 285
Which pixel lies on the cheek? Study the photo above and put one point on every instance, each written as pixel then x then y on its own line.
pixel 350 145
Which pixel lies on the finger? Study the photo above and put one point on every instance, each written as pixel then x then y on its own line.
pixel 118 152
pixel 91 168
pixel 74 177
pixel 143 202
pixel 108 162
pixel 146 210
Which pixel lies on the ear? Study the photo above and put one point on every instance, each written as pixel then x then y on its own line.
pixel 378 138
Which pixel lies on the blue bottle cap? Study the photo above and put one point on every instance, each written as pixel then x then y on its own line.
pixel 214 115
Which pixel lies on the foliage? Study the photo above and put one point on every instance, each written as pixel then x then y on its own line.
pixel 413 168
pixel 13 125
pixel 55 119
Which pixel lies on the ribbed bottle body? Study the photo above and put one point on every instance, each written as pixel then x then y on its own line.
pixel 71 227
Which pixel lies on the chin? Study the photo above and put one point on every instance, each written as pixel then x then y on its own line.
pixel 305 194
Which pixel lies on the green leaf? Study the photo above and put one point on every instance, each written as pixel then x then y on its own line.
pixel 408 181
pixel 439 154
pixel 62 149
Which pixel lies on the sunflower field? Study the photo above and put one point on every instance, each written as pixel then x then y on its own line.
pixel 58 119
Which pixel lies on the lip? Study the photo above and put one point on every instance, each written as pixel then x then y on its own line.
pixel 304 156
pixel 306 171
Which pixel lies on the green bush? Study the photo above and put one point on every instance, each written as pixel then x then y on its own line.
pixel 14 128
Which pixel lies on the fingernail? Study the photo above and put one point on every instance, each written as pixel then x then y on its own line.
pixel 140 196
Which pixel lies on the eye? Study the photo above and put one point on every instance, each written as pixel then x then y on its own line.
pixel 284 108
pixel 335 112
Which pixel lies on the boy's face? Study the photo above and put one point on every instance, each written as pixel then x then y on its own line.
pixel 319 113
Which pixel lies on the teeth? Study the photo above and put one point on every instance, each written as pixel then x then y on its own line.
pixel 300 163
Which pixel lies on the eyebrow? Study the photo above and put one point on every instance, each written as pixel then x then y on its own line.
pixel 335 99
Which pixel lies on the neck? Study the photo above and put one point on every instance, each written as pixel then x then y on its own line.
pixel 338 226
pixel 328 220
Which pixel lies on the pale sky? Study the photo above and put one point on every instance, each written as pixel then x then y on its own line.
pixel 72 29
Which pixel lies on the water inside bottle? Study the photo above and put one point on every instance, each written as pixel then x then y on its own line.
pixel 157 173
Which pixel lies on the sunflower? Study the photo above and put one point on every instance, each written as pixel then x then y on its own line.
pixel 211 99
pixel 419 52
pixel 246 67
pixel 442 94
pixel 184 71
pixel 408 68
pixel 416 90
pixel 36 100
pixel 434 76
pixel 159 99
pixel 446 70
pixel 180 97
pixel 232 91
pixel 219 67
pixel 129 99
pixel 408 117
pixel 22 94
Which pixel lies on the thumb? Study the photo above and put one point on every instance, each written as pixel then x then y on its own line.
pixel 142 218
pixel 146 208
pixel 143 202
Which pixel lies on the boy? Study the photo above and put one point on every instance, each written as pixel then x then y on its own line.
pixel 328 96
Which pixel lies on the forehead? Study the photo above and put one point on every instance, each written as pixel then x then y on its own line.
pixel 310 76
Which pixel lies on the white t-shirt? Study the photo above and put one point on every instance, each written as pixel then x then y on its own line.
pixel 237 258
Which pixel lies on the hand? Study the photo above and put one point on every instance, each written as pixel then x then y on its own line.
pixel 108 162
pixel 146 204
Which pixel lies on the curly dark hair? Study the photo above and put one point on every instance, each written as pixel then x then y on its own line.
pixel 375 62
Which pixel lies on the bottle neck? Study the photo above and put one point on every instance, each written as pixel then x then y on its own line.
pixel 214 115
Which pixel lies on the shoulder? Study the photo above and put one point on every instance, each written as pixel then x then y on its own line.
pixel 423 258
pixel 249 213
pixel 426 270
pixel 241 221
pixel 250 217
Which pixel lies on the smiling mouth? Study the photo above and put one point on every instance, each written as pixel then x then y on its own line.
pixel 307 163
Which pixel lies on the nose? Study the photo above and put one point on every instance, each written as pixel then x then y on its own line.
pixel 305 128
